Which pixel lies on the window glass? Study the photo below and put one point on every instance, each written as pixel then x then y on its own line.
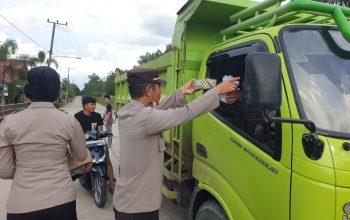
pixel 251 124
pixel 320 62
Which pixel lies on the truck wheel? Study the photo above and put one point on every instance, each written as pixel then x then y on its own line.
pixel 99 190
pixel 211 210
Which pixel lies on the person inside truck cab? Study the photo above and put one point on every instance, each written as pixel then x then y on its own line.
pixel 250 121
pixel 91 120
pixel 141 124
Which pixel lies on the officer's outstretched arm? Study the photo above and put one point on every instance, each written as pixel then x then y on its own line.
pixel 161 120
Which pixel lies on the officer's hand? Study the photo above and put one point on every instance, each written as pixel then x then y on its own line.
pixel 227 86
pixel 188 88
pixel 86 168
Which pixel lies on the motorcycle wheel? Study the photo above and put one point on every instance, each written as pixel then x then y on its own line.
pixel 99 190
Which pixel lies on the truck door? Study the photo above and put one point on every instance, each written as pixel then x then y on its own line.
pixel 242 160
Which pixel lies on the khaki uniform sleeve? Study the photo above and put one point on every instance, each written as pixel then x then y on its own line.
pixel 161 120
pixel 7 159
pixel 77 142
pixel 175 100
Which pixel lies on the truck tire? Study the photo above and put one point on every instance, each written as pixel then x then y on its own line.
pixel 99 190
pixel 211 210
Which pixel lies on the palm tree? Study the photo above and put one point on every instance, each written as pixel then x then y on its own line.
pixel 41 56
pixel 8 48
pixel 40 59
pixel 53 61
pixel 30 60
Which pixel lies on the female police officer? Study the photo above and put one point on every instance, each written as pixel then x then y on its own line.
pixel 33 147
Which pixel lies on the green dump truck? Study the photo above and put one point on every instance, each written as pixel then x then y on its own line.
pixel 283 153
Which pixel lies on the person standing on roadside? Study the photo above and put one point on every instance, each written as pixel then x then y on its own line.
pixel 108 118
pixel 141 124
pixel 33 153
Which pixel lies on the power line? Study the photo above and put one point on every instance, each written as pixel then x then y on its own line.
pixel 69 53
pixel 22 32
pixel 30 37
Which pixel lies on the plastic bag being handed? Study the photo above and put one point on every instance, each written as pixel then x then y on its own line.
pixel 223 97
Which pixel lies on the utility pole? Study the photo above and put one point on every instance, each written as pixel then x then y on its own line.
pixel 68 85
pixel 52 38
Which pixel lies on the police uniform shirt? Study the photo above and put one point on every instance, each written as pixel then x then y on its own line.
pixel 33 148
pixel 139 180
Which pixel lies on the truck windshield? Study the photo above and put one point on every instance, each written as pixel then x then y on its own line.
pixel 320 63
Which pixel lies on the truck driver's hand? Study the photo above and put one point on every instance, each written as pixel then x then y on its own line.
pixel 234 96
pixel 227 86
pixel 188 88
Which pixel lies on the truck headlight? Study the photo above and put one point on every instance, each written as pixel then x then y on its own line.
pixel 346 208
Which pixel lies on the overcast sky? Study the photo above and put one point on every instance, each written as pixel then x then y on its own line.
pixel 107 34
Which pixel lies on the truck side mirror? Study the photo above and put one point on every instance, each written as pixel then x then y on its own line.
pixel 263 81
pixel 263 91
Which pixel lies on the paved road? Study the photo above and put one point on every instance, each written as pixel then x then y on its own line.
pixel 85 205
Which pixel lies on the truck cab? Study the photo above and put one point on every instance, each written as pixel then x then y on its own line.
pixel 283 151
pixel 259 169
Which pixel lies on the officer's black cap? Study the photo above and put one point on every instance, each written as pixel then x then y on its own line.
pixel 143 76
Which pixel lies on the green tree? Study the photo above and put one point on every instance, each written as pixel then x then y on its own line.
pixel 8 48
pixel 40 59
pixel 18 75
pixel 94 87
pixel 18 71
pixel 345 3
pixel 72 89
pixel 75 89
pixel 53 61
pixel 148 57
pixel 110 84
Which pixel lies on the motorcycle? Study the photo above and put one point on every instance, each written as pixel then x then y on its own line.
pixel 96 180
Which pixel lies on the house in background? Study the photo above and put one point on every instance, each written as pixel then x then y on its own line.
pixel 13 76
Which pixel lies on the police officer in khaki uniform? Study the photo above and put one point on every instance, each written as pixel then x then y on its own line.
pixel 141 123
pixel 33 148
